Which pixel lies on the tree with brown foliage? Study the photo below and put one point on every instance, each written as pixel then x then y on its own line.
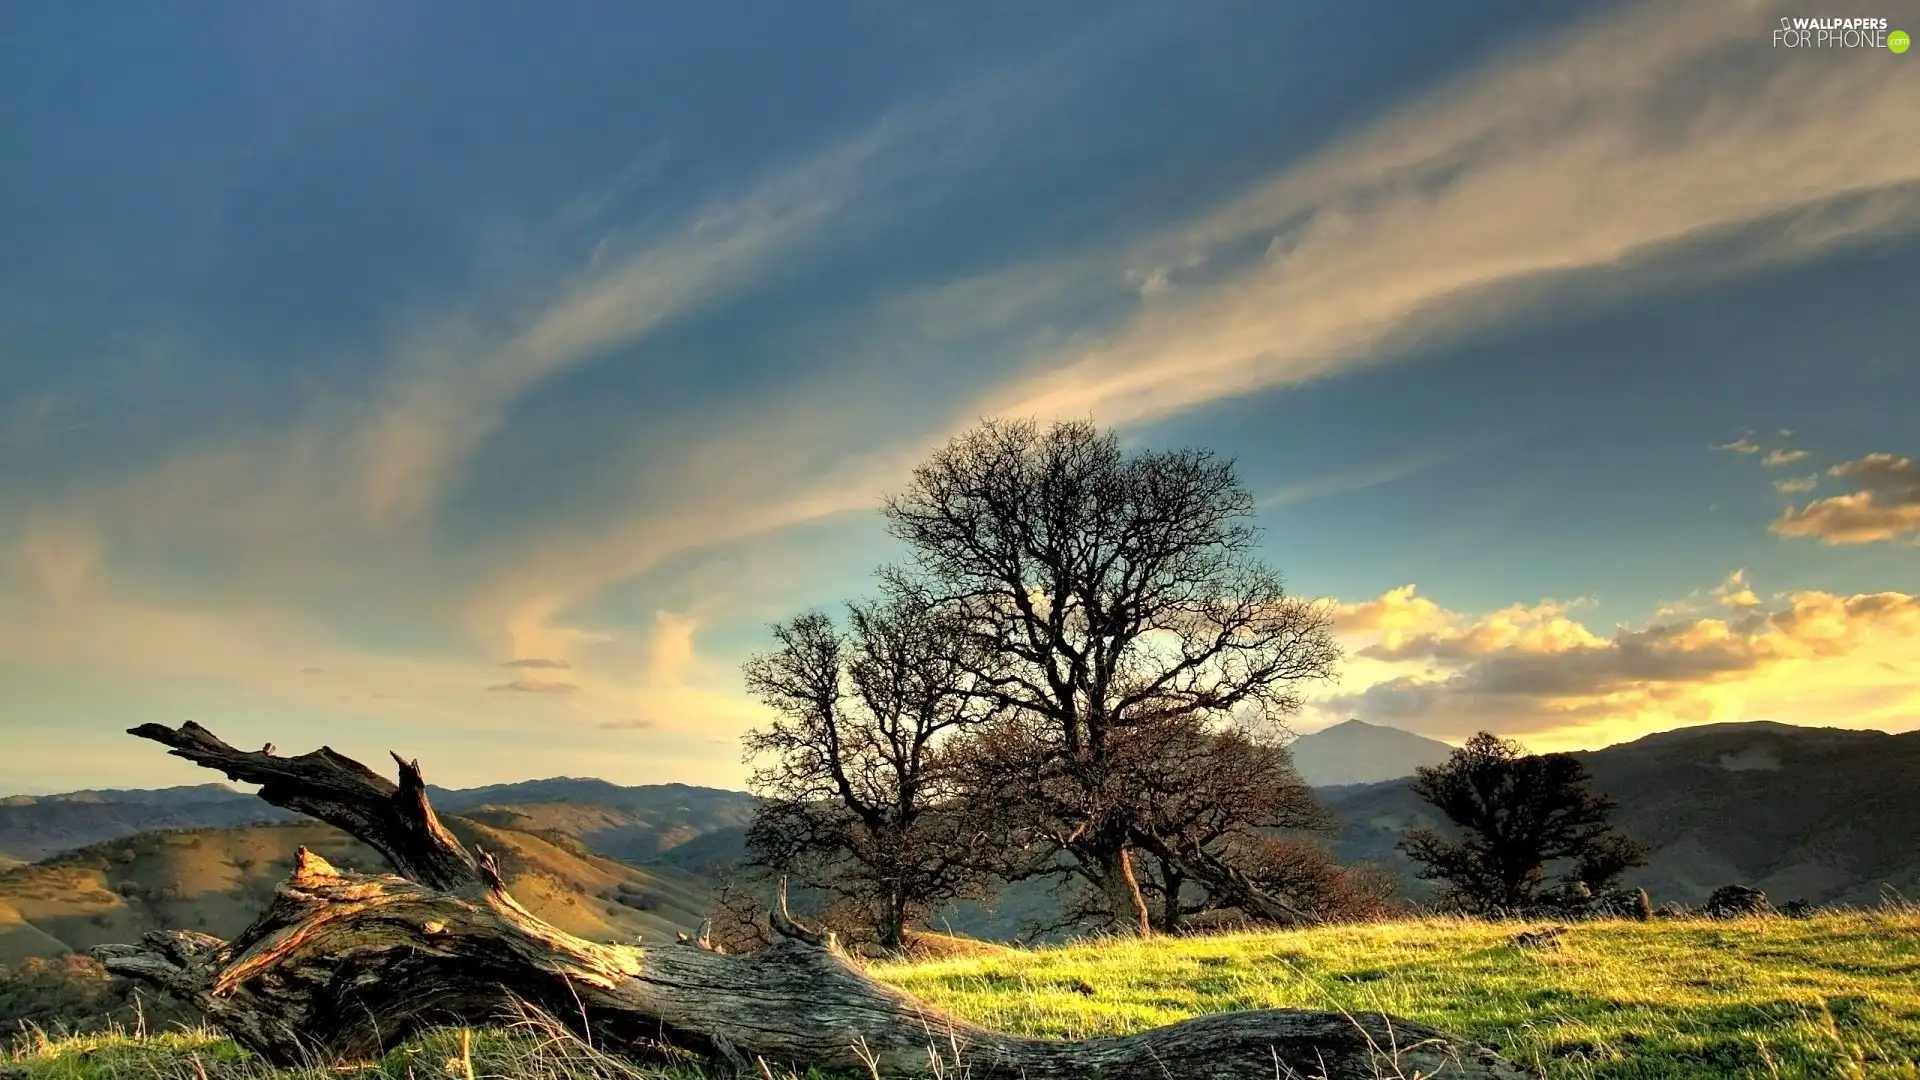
pixel 1207 798
pixel 344 967
pixel 1516 813
pixel 858 787
pixel 1107 598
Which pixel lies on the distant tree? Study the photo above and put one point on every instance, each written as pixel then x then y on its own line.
pixel 1516 814
pixel 857 785
pixel 1111 601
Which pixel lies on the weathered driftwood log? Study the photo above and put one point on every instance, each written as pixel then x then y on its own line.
pixel 344 966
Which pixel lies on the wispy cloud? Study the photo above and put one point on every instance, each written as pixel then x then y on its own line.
pixel 535 686
pixel 1382 472
pixel 1796 484
pixel 1630 141
pixel 456 373
pixel 1447 215
pixel 537 662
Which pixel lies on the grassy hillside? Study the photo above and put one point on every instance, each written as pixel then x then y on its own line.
pixel 1828 997
pixel 217 880
pixel 1834 996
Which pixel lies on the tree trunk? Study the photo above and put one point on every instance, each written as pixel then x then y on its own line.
pixel 1107 861
pixel 1171 882
pixel 892 930
pixel 344 966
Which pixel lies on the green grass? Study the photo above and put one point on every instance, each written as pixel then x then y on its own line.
pixel 1833 996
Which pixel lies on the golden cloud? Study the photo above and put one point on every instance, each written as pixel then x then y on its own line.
pixel 1395 611
pixel 1885 508
pixel 1815 657
pixel 1539 628
pixel 1734 593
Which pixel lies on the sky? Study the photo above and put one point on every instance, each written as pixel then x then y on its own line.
pixel 482 385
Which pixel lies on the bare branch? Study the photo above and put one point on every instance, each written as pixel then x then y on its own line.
pixel 395 820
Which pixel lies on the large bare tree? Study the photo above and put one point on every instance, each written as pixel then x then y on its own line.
pixel 1109 597
pixel 859 791
pixel 343 967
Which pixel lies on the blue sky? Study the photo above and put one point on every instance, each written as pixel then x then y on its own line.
pixel 482 386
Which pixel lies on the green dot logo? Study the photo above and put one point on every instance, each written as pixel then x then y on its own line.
pixel 1898 41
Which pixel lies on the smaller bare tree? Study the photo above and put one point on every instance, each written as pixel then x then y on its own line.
pixel 858 787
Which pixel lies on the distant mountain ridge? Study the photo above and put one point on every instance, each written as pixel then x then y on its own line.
pixel 1830 815
pixel 36 827
pixel 173 796
pixel 637 823
pixel 1356 752
pixel 627 822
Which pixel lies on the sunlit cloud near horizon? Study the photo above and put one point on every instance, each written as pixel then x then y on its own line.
pixel 485 395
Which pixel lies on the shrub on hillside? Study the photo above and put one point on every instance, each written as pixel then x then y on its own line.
pixel 74 993
pixel 1307 875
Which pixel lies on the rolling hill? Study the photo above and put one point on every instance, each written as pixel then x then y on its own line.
pixel 1825 814
pixel 32 827
pixel 217 880
pixel 631 823
pixel 1831 816
pixel 636 824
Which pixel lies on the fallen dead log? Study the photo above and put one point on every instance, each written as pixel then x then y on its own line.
pixel 344 966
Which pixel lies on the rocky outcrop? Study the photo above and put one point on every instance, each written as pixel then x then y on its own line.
pixel 1624 904
pixel 1736 902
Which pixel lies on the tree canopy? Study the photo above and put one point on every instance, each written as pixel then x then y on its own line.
pixel 1516 813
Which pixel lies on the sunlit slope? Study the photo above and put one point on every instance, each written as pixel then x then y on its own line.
pixel 217 880
pixel 1834 996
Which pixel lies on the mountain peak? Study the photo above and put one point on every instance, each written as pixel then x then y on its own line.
pixel 1356 752
pixel 1355 724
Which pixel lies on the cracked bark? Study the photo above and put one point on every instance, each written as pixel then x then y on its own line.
pixel 344 966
